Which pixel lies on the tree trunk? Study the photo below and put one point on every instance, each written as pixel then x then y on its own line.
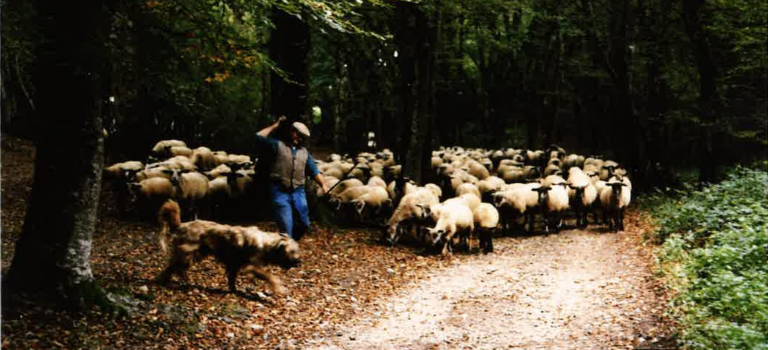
pixel 619 58
pixel 340 110
pixel 405 41
pixel 709 101
pixel 416 40
pixel 53 254
pixel 289 48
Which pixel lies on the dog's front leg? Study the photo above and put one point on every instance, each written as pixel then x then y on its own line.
pixel 273 281
pixel 232 277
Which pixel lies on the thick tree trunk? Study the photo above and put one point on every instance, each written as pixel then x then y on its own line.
pixel 709 101
pixel 53 254
pixel 289 48
pixel 416 40
pixel 619 58
pixel 405 41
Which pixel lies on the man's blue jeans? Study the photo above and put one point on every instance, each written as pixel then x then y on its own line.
pixel 284 203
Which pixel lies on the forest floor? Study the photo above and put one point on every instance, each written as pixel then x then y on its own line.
pixel 579 289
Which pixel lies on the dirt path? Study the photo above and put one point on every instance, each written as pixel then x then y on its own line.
pixel 573 290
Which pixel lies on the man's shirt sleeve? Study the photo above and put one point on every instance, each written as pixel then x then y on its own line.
pixel 311 167
pixel 264 142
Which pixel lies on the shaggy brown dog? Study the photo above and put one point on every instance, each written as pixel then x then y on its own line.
pixel 241 249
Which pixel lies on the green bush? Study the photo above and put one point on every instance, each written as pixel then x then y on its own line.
pixel 717 237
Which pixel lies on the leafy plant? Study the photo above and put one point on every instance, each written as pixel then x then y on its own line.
pixel 717 238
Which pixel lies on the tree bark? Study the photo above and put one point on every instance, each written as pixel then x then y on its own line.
pixel 709 101
pixel 53 253
pixel 289 48
pixel 416 39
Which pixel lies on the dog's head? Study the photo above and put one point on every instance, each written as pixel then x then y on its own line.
pixel 287 254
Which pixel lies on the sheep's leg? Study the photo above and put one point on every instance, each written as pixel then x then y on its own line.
pixel 446 248
pixel 621 218
pixel 531 221
pixel 480 239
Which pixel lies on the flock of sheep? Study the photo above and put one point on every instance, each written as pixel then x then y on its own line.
pixel 479 191
pixel 199 179
pixel 476 192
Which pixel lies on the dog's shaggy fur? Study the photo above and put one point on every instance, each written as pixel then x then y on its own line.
pixel 242 249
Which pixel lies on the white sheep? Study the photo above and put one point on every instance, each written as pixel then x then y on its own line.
pixel 435 189
pixel 614 199
pixel 581 195
pixel 477 170
pixel 515 201
pixel 221 157
pixel 203 158
pixel 377 181
pixel 151 193
pixel 606 171
pixel 344 185
pixel 376 199
pixel 348 195
pixel 161 147
pixel 191 188
pixel 455 220
pixel 220 170
pixel 553 201
pixel 467 188
pixel 486 218
pixel 411 211
pixel 179 151
pixel 123 171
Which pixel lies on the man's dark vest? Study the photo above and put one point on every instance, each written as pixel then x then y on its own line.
pixel 288 168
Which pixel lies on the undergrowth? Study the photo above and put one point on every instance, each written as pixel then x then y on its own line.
pixel 714 254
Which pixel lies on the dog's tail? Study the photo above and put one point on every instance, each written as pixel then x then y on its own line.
pixel 169 217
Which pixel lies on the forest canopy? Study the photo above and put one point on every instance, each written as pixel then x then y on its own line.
pixel 680 83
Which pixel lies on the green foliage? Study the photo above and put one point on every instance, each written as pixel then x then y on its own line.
pixel 718 237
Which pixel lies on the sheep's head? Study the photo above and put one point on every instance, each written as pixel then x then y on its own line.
pixel 436 235
pixel 543 194
pixel 498 199
pixel 335 202
pixel 616 187
pixel 422 211
pixel 386 208
pixel 133 191
pixel 579 192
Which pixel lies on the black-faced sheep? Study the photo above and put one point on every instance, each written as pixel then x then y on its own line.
pixel 486 218
pixel 517 201
pixel 455 220
pixel 581 195
pixel 191 189
pixel 410 213
pixel 553 201
pixel 614 199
